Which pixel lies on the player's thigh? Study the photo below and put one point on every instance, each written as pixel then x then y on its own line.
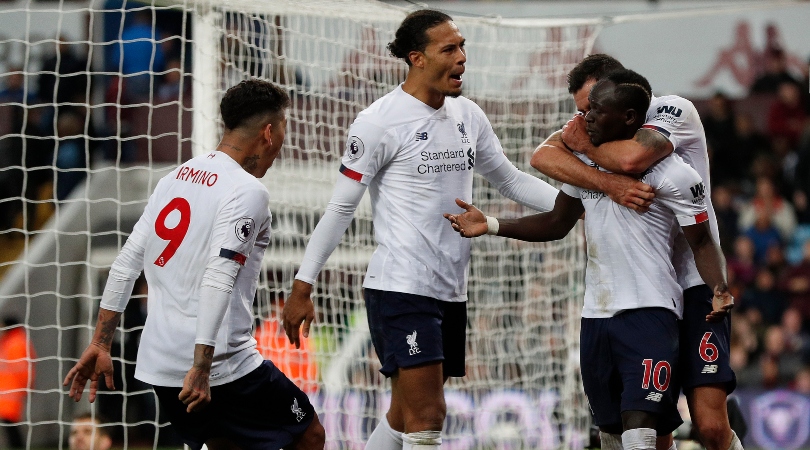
pixel 600 377
pixel 645 347
pixel 406 329
pixel 704 354
pixel 313 437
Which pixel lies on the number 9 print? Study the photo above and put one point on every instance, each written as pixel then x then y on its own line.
pixel 174 235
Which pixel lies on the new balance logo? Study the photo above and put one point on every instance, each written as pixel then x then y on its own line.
pixel 421 136
pixel 654 396
pixel 709 368
pixel 411 339
pixel 299 413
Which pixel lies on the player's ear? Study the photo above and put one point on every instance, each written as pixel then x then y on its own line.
pixel 630 117
pixel 417 59
pixel 267 132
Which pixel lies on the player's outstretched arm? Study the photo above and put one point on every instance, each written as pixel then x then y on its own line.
pixel 627 156
pixel 548 226
pixel 298 309
pixel 554 160
pixel 712 268
pixel 95 360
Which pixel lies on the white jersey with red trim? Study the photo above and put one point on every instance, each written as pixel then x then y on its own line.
pixel 416 161
pixel 677 119
pixel 208 207
pixel 630 254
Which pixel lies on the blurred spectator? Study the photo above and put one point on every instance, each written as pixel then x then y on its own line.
pixel 741 264
pixel 775 73
pixel 727 216
pixel 796 338
pixel 89 433
pixel 787 116
pixel 170 86
pixel 801 383
pixel 764 236
pixel 764 298
pixel 779 364
pixel 69 70
pixel 16 378
pixel 750 142
pixel 768 204
pixel 28 156
pixel 721 137
pixel 71 154
pixel 138 56
pixel 14 89
pixel 796 284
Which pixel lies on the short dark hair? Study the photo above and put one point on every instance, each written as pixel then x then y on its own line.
pixel 412 32
pixel 632 89
pixel 249 99
pixel 595 67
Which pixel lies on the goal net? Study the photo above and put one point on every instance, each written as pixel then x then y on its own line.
pixel 107 96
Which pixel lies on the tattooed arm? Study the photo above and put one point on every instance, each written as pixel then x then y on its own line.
pixel 96 359
pixel 553 159
pixel 196 392
pixel 633 155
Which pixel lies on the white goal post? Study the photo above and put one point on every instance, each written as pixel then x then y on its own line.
pixel 523 387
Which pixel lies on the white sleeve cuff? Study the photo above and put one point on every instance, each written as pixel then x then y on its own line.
pixel 523 188
pixel 124 272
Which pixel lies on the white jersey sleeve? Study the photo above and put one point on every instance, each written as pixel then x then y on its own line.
pixel 671 118
pixel 367 151
pixel 237 224
pixel 683 192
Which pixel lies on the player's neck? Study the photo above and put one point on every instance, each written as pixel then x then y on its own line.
pixel 423 92
pixel 239 150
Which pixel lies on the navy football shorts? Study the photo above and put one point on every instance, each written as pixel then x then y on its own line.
pixel 409 330
pixel 627 364
pixel 262 410
pixel 704 346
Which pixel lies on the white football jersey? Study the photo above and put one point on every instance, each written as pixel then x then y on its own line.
pixel 677 119
pixel 416 161
pixel 630 254
pixel 207 207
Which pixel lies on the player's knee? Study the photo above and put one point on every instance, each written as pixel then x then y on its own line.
pixel 427 417
pixel 639 419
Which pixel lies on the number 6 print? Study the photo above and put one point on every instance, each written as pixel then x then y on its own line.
pixel 708 351
pixel 174 235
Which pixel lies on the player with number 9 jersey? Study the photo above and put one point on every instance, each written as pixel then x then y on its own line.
pixel 200 243
pixel 207 208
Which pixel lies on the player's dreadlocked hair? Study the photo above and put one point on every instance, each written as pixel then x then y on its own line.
pixel 250 99
pixel 592 67
pixel 632 90
pixel 412 33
